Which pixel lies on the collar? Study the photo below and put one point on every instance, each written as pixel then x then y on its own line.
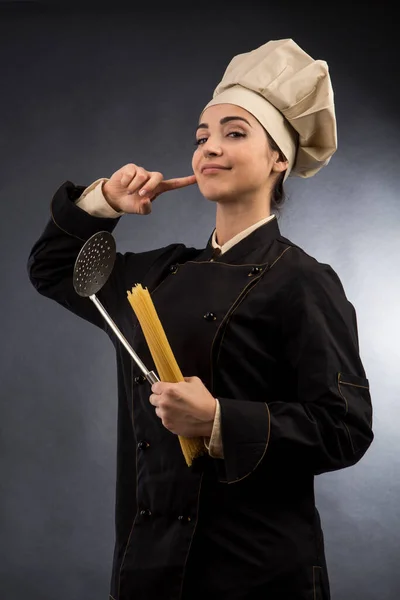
pixel 239 237
pixel 260 239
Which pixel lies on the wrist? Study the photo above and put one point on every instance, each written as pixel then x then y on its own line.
pixel 108 199
pixel 205 429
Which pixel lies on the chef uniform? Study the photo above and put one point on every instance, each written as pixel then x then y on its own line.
pixel 270 332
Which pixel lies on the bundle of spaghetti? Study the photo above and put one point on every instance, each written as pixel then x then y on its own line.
pixel 164 359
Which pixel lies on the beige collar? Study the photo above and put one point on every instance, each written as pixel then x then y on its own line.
pixel 239 237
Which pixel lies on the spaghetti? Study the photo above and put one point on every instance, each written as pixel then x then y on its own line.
pixel 164 359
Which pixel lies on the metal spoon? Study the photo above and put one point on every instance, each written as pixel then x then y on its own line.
pixel 93 267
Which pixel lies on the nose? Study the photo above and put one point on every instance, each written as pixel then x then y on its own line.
pixel 211 149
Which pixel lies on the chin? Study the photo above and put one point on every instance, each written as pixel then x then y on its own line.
pixel 217 195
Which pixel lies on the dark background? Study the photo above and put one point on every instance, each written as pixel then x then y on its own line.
pixel 86 89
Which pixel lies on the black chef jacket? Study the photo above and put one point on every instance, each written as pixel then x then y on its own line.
pixel 272 335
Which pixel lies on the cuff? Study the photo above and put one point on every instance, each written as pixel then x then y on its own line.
pixel 214 443
pixel 245 429
pixel 93 201
pixel 71 219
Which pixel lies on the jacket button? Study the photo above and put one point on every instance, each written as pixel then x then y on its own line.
pixel 145 513
pixel 173 269
pixel 182 519
pixel 139 380
pixel 143 445
pixel 255 271
pixel 210 316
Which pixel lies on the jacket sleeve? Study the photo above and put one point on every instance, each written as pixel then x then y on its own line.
pixel 327 425
pixel 52 259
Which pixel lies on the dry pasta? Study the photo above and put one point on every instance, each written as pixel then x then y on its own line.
pixel 164 359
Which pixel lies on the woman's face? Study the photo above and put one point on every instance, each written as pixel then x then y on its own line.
pixel 232 138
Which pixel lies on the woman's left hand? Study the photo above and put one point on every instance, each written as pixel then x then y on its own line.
pixel 186 408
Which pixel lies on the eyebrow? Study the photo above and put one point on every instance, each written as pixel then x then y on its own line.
pixel 223 121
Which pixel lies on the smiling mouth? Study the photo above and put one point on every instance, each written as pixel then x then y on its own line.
pixel 213 170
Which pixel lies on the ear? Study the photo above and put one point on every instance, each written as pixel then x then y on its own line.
pixel 279 166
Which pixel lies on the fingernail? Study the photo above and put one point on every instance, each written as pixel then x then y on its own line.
pixel 142 192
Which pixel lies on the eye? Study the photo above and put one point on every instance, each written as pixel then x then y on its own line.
pixel 201 141
pixel 237 133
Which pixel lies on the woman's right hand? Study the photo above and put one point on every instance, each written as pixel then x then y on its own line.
pixel 123 191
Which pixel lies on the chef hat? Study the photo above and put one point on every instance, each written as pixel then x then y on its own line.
pixel 291 95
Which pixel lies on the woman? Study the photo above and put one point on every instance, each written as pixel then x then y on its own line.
pixel 264 334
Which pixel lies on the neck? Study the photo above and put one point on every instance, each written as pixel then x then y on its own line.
pixel 231 219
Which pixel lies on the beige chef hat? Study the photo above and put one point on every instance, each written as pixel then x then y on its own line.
pixel 291 95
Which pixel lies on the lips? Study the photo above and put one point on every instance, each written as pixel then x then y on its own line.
pixel 213 166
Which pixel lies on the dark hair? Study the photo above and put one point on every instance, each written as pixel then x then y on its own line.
pixel 278 195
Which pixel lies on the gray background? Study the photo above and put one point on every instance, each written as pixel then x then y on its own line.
pixel 87 90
